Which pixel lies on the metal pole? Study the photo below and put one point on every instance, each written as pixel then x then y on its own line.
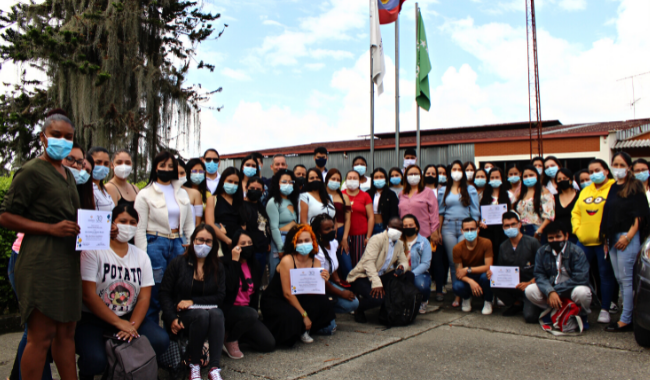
pixel 397 92
pixel 417 106
pixel 372 113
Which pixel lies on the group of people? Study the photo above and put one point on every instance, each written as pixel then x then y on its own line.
pixel 193 246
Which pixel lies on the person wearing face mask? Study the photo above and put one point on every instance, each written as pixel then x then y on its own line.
pixel 410 158
pixel 488 166
pixel 431 178
pixel 250 168
pixel 384 254
pixel 472 259
pixel 385 203
pixel 291 317
pixel 640 169
pixel 551 167
pixel 514 179
pixel 360 165
pixel 561 271
pixel 315 200
pixel 115 303
pixel 470 170
pixel 165 219
pixel 439 262
pixel 418 253
pixel 256 222
pixel 480 180
pixel 195 197
pixel 362 219
pixel 211 160
pixel 396 180
pixel 442 176
pixel 300 171
pixel 320 159
pixel 625 214
pixel 196 179
pixel 586 218
pixel 192 297
pixel 281 209
pixel 518 250
pixel 81 165
pixel 222 208
pixel 538 163
pixel 119 187
pixel 495 193
pixel 42 203
pixel 582 178
pixel 565 199
pixel 243 278
pixel 103 200
pixel 343 219
pixel 535 205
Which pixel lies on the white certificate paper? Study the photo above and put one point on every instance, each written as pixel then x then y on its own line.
pixel 95 230
pixel 504 277
pixel 491 215
pixel 307 281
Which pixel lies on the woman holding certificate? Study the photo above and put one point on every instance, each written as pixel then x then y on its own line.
pixel 495 193
pixel 290 317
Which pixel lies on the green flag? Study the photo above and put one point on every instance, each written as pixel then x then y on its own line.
pixel 422 95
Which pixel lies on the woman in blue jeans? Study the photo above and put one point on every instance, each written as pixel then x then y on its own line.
pixel 418 251
pixel 456 201
pixel 282 211
pixel 626 208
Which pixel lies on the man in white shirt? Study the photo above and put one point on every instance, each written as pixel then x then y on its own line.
pixel 211 160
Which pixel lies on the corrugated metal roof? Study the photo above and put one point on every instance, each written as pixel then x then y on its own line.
pixel 632 144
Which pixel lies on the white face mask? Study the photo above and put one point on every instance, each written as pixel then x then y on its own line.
pixel 352 184
pixel 619 173
pixel 408 163
pixel 394 234
pixel 125 233
pixel 182 180
pixel 413 180
pixel 457 176
pixel 469 174
pixel 202 250
pixel 122 171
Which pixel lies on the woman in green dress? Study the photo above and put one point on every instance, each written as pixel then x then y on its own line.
pixel 42 202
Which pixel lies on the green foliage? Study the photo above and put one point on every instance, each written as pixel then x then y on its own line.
pixel 140 185
pixel 8 302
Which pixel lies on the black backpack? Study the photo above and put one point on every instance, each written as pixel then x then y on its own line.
pixel 401 302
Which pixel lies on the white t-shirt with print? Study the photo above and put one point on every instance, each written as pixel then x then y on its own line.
pixel 334 245
pixel 118 279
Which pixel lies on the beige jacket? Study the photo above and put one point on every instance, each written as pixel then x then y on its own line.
pixel 374 257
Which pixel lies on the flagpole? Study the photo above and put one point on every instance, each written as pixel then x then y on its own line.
pixel 397 92
pixel 372 108
pixel 417 106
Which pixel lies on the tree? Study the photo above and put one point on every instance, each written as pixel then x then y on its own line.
pixel 117 68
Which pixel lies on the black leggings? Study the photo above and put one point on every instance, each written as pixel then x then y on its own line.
pixel 199 324
pixel 243 325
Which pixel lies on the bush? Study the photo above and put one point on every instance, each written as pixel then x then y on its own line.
pixel 8 301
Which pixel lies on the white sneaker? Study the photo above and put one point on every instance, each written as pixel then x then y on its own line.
pixel 603 317
pixel 423 307
pixel 487 308
pixel 467 305
pixel 613 308
pixel 195 372
pixel 500 303
pixel 306 338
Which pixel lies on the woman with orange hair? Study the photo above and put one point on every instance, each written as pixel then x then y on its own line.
pixel 290 317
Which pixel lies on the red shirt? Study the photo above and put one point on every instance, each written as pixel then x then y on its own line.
pixel 359 218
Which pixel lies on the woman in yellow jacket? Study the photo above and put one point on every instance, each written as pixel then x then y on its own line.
pixel 585 220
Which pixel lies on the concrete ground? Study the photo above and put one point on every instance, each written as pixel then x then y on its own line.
pixel 442 344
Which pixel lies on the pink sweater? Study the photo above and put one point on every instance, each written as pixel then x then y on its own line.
pixel 424 206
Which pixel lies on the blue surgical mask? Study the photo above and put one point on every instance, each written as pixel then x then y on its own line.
pixel 211 167
pixel 487 170
pixel 333 185
pixel 80 176
pixel 551 171
pixel 286 189
pixel 540 171
pixel 395 181
pixel 379 183
pixel 360 169
pixel 197 178
pixel 470 235
pixel 304 248
pixel 250 172
pixel 442 179
pixel 495 183
pixel 58 149
pixel 598 177
pixel 585 184
pixel 511 232
pixel 100 172
pixel 530 181
pixel 642 176
pixel 514 179
pixel 230 188
pixel 480 182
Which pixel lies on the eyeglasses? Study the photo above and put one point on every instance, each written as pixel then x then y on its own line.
pixel 211 160
pixel 71 160
pixel 204 241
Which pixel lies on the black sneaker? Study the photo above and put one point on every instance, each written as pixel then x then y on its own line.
pixel 513 310
pixel 360 317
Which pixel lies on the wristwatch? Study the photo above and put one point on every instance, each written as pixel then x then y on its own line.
pixel 627 238
pixel 469 270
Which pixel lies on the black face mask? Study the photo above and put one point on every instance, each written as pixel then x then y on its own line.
pixel 564 185
pixel 409 231
pixel 254 195
pixel 429 180
pixel 247 252
pixel 557 245
pixel 321 162
pixel 300 181
pixel 329 236
pixel 313 185
pixel 165 175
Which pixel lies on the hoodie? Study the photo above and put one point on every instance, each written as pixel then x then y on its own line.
pixel 588 212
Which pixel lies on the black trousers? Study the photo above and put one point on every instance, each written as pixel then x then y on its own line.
pixel 243 325
pixel 199 324
pixel 510 296
pixel 362 288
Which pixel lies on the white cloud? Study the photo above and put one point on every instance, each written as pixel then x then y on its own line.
pixel 315 66
pixel 271 23
pixel 573 5
pixel 235 74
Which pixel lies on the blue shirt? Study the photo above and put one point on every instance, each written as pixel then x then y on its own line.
pixel 453 208
pixel 389 257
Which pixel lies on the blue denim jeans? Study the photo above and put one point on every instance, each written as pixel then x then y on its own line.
pixel 344 306
pixel 345 261
pixel 464 291
pixel 451 235
pixel 530 229
pixel 605 270
pixel 274 258
pixel 623 264
pixel 423 283
pixel 378 228
pixel 47 370
pixel 161 251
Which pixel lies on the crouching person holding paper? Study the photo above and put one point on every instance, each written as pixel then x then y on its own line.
pixel 291 317
pixel 191 296
pixel 376 268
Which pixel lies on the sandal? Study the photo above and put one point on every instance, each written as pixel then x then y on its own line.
pixel 455 304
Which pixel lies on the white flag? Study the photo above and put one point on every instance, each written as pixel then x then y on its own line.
pixel 376 48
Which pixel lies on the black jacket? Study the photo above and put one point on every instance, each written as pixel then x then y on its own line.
pixel 232 273
pixel 523 257
pixel 388 203
pixel 177 286
pixel 249 213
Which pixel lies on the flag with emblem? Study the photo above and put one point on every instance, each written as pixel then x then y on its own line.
pixel 422 95
pixel 389 10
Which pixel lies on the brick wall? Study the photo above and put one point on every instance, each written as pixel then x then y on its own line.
pixel 551 146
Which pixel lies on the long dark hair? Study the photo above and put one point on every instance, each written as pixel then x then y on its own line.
pixel 322 192
pixel 203 187
pixel 632 185
pixel 127 208
pixel 373 188
pixel 162 157
pixel 390 173
pixel 257 165
pixel 98 149
pixel 86 192
pixel 568 174
pixel 435 169
pixel 604 165
pixel 464 194
pixel 252 263
pixel 238 197
pixel 330 174
pixel 211 265
pixel 503 192
pixel 316 227
pixel 546 179
pixel 537 203
pixel 417 224
pixel 275 192
pixel 521 174
pixel 407 185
